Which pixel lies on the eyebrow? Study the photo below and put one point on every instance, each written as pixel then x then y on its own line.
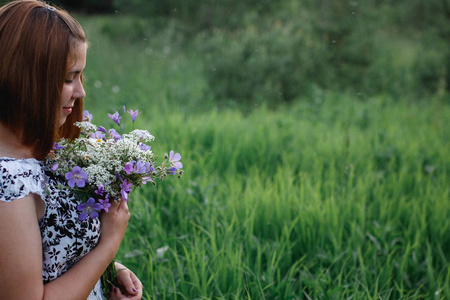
pixel 74 72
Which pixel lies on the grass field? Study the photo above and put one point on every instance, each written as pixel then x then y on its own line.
pixel 332 197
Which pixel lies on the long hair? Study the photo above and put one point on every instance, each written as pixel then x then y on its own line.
pixel 36 41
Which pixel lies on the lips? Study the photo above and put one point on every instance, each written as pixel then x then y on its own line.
pixel 67 109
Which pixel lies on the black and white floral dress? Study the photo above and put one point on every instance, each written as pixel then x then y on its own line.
pixel 65 239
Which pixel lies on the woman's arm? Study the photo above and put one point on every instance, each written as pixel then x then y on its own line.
pixel 21 254
pixel 20 250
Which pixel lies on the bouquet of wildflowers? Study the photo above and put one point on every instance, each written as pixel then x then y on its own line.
pixel 104 165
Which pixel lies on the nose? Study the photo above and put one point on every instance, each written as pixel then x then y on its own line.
pixel 78 91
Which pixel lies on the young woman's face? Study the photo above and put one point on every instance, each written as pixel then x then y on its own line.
pixel 73 87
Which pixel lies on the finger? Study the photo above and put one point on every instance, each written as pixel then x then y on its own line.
pixel 128 284
pixel 114 205
pixel 137 283
pixel 123 205
pixel 138 296
pixel 116 294
pixel 119 294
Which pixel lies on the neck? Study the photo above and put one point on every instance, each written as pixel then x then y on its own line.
pixel 11 145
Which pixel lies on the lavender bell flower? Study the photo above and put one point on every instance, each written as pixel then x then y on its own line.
pixel 125 189
pixel 87 117
pixel 134 114
pixel 146 179
pixel 77 177
pixel 115 117
pixel 90 209
pixel 114 134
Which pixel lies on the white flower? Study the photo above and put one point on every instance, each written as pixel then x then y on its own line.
pixel 142 135
pixel 86 126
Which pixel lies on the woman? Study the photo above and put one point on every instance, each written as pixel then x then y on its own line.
pixel 46 252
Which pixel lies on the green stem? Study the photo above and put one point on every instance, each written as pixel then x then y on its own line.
pixel 109 279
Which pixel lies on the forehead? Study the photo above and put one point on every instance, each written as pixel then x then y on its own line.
pixel 77 58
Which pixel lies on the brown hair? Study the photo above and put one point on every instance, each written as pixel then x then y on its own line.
pixel 36 41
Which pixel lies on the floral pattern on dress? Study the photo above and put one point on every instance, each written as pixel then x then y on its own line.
pixel 65 239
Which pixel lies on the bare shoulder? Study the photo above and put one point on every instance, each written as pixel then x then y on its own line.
pixel 19 209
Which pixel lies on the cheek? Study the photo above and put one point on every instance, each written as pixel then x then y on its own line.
pixel 66 93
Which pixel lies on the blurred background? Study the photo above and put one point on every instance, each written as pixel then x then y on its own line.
pixel 278 51
pixel 314 136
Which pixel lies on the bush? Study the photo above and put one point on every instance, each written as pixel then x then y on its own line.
pixel 85 6
pixel 277 51
pixel 197 15
pixel 354 47
pixel 274 61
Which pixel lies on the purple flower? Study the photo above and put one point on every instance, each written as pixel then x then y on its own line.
pixel 134 114
pixel 105 204
pixel 102 129
pixel 146 179
pixel 57 146
pixel 87 116
pixel 172 171
pixel 100 190
pixel 119 177
pixel 55 167
pixel 114 134
pixel 141 167
pixel 99 135
pixel 90 209
pixel 125 189
pixel 124 109
pixel 144 147
pixel 128 167
pixel 174 159
pixel 115 117
pixel 77 177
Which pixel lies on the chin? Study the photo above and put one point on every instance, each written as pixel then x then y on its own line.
pixel 62 121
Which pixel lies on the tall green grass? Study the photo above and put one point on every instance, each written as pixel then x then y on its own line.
pixel 329 198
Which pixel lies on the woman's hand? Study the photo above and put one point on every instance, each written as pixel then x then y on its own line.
pixel 130 285
pixel 114 224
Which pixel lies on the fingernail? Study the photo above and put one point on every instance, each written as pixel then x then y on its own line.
pixel 134 290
